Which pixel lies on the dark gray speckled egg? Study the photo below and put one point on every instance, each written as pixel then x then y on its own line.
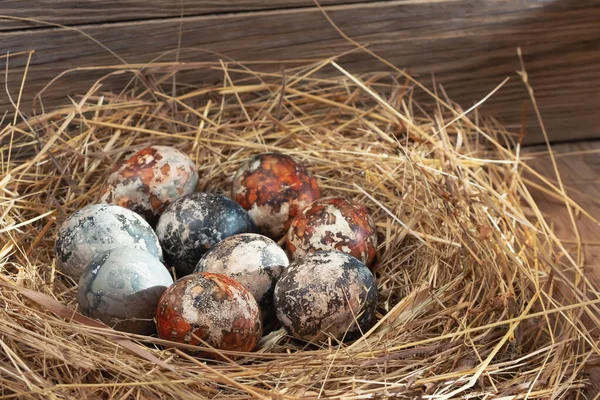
pixel 98 228
pixel 193 224
pixel 121 288
pixel 253 260
pixel 325 294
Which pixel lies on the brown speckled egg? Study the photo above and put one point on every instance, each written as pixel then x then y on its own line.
pixel 211 307
pixel 333 223
pixel 274 189
pixel 150 180
pixel 326 293
pixel 253 260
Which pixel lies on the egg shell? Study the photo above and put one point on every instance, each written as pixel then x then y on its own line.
pixel 211 307
pixel 151 179
pixel 193 224
pixel 274 188
pixel 253 260
pixel 322 293
pixel 333 223
pixel 121 288
pixel 98 228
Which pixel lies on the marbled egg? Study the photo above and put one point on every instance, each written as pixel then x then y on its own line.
pixel 326 293
pixel 274 189
pixel 121 288
pixel 97 228
pixel 150 180
pixel 333 223
pixel 193 224
pixel 211 307
pixel 253 260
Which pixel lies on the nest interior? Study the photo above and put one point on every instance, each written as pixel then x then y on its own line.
pixel 477 296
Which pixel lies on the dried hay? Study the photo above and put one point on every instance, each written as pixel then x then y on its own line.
pixel 478 297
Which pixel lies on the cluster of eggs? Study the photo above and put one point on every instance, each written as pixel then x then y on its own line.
pixel 233 276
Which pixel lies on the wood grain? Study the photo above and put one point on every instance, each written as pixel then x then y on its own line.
pixel 469 45
pixel 579 167
pixel 77 12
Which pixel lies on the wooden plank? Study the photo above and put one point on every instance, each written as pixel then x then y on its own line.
pixel 470 46
pixel 579 166
pixel 76 12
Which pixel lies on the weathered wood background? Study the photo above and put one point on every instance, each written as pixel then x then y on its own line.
pixel 579 166
pixel 469 46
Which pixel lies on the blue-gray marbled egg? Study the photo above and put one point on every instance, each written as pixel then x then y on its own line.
pixel 121 288
pixel 193 224
pixel 253 260
pixel 98 228
pixel 326 293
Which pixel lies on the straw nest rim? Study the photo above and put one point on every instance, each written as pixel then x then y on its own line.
pixel 477 296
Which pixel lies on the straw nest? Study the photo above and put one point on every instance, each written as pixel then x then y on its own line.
pixel 477 297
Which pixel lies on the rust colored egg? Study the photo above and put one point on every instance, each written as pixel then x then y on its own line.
pixel 333 223
pixel 150 180
pixel 211 308
pixel 274 188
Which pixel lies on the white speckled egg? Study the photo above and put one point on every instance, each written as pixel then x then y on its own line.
pixel 253 260
pixel 121 288
pixel 150 180
pixel 326 293
pixel 98 228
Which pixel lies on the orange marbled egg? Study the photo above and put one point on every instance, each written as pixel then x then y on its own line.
pixel 274 188
pixel 211 308
pixel 150 180
pixel 333 223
